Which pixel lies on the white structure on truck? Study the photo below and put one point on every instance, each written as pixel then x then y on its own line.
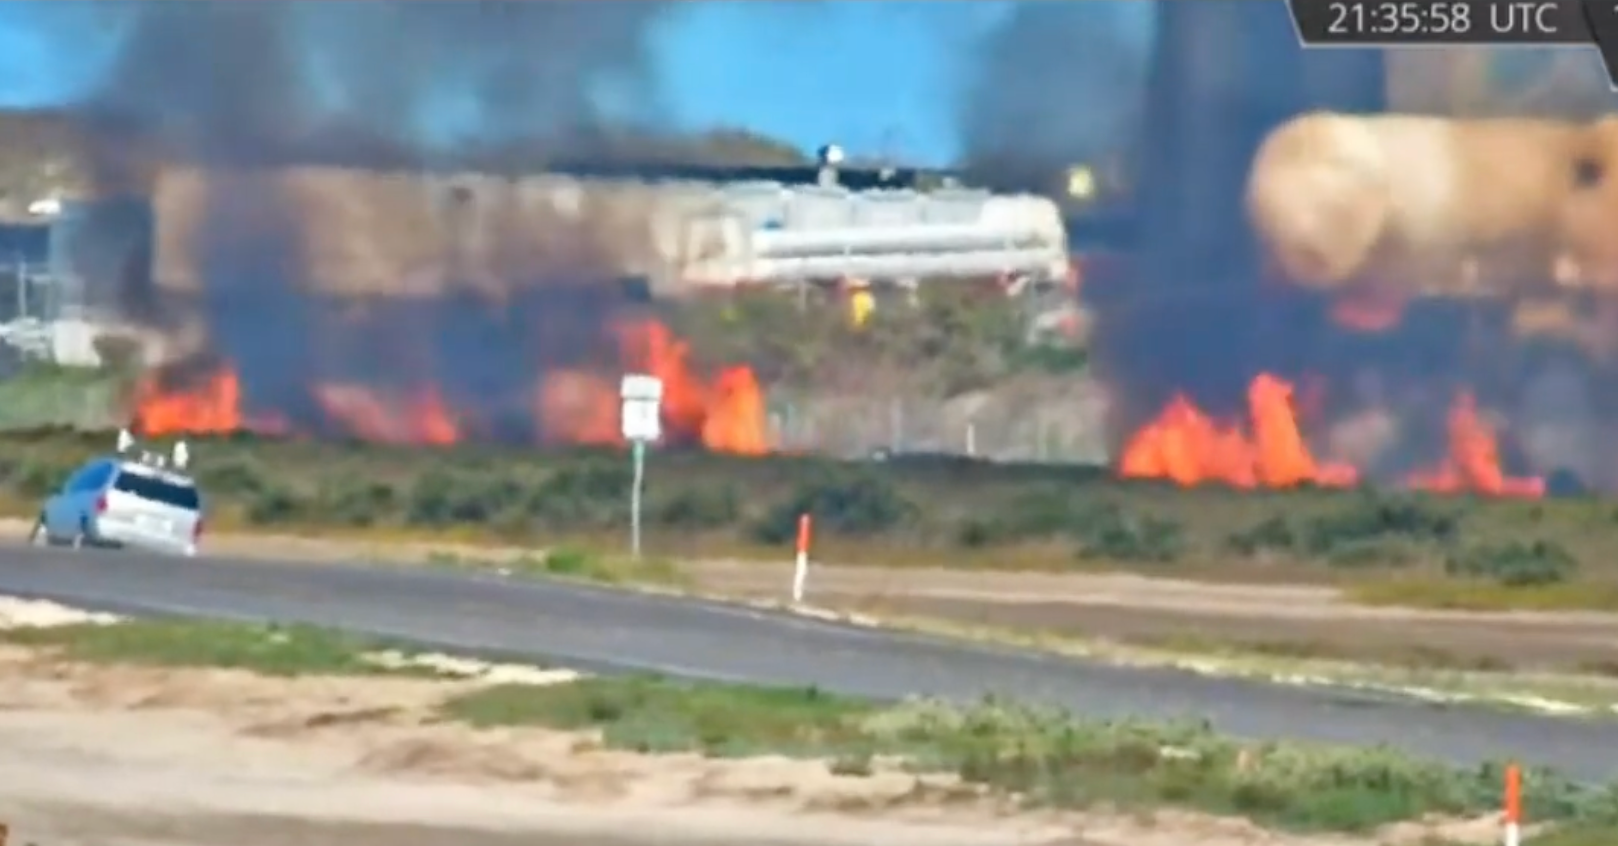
pixel 763 232
pixel 768 233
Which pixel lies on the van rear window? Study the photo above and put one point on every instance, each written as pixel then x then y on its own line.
pixel 157 490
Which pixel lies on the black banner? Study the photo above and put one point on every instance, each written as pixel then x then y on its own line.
pixel 1410 23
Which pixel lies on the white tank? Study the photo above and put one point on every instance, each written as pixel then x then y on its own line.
pixel 401 233
pixel 771 233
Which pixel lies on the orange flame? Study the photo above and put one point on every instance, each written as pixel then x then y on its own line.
pixel 1473 463
pixel 212 407
pixel 420 419
pixel 735 422
pixel 1185 446
pixel 573 405
pixel 1367 312
pixel 578 408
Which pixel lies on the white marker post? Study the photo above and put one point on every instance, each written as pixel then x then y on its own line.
pixel 642 423
pixel 800 560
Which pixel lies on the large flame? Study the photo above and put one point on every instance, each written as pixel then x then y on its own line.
pixel 1186 446
pixel 1473 463
pixel 572 405
pixel 419 418
pixel 212 406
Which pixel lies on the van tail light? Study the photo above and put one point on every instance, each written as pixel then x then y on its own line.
pixel 196 531
pixel 101 504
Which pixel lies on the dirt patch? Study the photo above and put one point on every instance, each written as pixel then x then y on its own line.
pixel 232 757
pixel 1160 611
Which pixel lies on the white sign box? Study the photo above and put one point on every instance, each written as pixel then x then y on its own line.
pixel 642 412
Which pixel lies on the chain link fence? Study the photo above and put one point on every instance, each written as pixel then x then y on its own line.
pixel 991 426
pixel 1063 426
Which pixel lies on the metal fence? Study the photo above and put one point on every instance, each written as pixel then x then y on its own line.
pixel 1004 425
pixel 30 301
pixel 1052 430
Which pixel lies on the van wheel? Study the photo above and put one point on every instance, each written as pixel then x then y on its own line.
pixel 37 536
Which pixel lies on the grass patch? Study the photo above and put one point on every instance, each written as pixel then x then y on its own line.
pixel 1045 756
pixel 1579 834
pixel 274 650
pixel 656 715
pixel 1469 595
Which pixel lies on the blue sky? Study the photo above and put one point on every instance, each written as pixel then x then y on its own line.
pixel 873 75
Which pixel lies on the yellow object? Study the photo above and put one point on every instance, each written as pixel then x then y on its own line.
pixel 1081 183
pixel 860 306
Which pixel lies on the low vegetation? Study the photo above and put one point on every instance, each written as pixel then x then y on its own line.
pixel 1045 757
pixel 950 340
pixel 267 649
pixel 1390 547
pixel 38 394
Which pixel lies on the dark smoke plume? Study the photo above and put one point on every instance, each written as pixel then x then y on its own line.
pixel 1055 84
pixel 246 93
pixel 1193 317
pixel 375 83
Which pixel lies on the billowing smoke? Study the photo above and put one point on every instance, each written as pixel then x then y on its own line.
pixel 1054 84
pixel 1203 331
pixel 310 232
pixel 373 83
pixel 1223 74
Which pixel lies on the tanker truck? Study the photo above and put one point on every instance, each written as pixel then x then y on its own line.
pixel 365 232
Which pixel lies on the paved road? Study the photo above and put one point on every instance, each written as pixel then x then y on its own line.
pixel 594 628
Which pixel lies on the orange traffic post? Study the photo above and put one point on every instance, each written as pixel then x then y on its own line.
pixel 1513 805
pixel 800 564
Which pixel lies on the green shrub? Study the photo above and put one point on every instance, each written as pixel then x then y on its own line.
pixel 853 504
pixel 593 495
pixel 979 533
pixel 573 563
pixel 272 506
pixel 232 478
pixel 1108 531
pixel 1374 531
pixel 1273 534
pixel 1369 555
pixel 355 503
pixel 440 498
pixel 1035 515
pixel 1378 517
pixel 700 508
pixel 39 478
pixel 1515 564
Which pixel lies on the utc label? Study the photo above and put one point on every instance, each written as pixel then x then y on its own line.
pixel 1386 23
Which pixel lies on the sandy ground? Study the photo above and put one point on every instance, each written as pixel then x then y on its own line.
pixel 129 756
